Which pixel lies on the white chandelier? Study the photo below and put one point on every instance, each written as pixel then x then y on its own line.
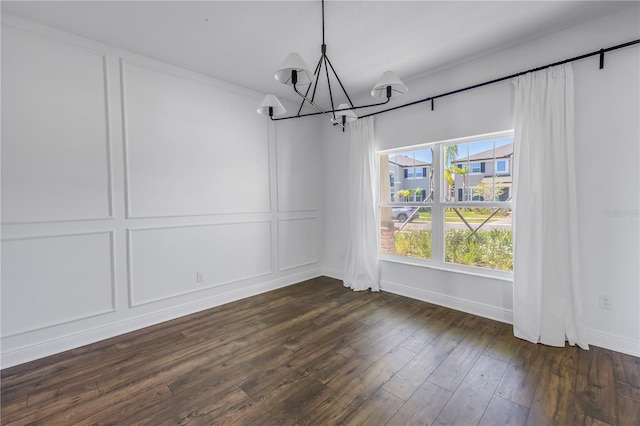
pixel 294 72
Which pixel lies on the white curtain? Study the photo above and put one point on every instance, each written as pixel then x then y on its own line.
pixel 547 305
pixel 362 268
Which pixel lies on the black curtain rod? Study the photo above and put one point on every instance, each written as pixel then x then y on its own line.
pixel 600 52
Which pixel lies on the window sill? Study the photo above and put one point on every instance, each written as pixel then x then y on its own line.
pixel 449 267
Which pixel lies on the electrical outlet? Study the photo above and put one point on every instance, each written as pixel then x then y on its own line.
pixel 199 277
pixel 605 302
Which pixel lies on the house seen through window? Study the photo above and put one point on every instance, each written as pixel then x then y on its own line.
pixel 449 203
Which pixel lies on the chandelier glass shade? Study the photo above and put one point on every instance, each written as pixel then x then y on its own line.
pixel 294 72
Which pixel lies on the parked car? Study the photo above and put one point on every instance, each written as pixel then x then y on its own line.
pixel 402 213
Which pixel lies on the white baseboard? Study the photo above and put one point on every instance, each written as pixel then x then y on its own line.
pixel 332 273
pixel 596 338
pixel 85 337
pixel 614 343
pixel 464 305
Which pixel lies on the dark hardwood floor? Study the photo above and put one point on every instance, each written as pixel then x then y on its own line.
pixel 317 353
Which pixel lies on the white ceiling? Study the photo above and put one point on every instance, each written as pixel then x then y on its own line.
pixel 244 42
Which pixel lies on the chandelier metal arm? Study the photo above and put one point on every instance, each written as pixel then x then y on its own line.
pixel 312 103
pixel 316 75
pixel 339 81
pixel 315 86
pixel 325 112
pixel 326 69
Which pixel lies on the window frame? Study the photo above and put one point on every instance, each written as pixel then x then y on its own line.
pixel 438 207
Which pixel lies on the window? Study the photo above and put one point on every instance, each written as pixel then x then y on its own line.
pixel 454 209
pixel 405 207
pixel 415 172
pixel 477 167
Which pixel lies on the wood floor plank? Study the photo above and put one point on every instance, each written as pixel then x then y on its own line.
pixel 37 367
pixel 357 388
pixel 68 390
pixel 295 408
pixel 452 371
pixel 317 353
pixel 254 410
pixel 207 400
pixel 119 413
pixel 628 411
pixel 377 410
pixel 105 346
pixel 501 411
pixel 249 367
pixel 412 376
pixel 502 346
pixel 345 323
pixel 185 358
pixel 595 385
pixel 11 410
pixel 523 373
pixel 432 322
pixel 553 400
pixel 87 367
pixel 626 370
pixel 423 407
pixel 581 418
pixel 76 413
pixel 189 358
pixel 470 400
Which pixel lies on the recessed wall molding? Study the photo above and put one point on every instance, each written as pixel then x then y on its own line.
pixel 298 215
pixel 65 86
pixel 298 170
pixel 159 272
pixel 190 172
pixel 91 255
pixel 295 247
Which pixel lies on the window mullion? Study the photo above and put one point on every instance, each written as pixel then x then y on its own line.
pixel 437 210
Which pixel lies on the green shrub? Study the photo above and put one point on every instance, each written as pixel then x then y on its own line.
pixel 414 243
pixel 486 248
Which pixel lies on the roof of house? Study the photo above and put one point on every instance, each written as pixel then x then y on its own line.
pixel 404 161
pixel 504 151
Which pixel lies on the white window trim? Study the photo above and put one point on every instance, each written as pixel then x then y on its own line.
pixel 437 210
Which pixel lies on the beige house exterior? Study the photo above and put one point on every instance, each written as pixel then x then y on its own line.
pixel 484 170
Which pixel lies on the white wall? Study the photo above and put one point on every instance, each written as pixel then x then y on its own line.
pixel 122 177
pixel 607 137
